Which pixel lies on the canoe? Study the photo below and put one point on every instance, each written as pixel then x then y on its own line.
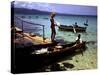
pixel 70 28
pixel 46 58
pixel 67 49
pixel 28 61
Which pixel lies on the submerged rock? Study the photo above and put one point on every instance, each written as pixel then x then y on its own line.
pixel 77 61
pixel 91 62
pixel 57 67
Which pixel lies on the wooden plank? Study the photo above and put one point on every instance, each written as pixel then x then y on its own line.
pixel 36 38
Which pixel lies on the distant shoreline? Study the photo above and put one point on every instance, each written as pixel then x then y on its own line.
pixel 36 12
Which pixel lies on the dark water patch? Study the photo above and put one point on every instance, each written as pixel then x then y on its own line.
pixel 91 42
pixel 68 65
pixel 69 35
pixel 66 58
pixel 91 62
pixel 62 41
pixel 58 37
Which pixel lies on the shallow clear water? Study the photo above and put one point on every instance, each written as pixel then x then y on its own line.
pixel 89 58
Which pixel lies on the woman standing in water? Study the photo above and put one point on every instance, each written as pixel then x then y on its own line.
pixel 53 31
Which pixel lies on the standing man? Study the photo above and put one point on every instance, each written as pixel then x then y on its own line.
pixel 53 31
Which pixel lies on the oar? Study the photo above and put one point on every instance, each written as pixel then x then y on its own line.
pixel 74 29
pixel 58 23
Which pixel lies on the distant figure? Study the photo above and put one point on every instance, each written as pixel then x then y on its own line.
pixel 53 31
pixel 86 23
pixel 76 24
pixel 78 39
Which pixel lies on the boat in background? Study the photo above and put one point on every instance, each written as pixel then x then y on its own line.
pixel 76 28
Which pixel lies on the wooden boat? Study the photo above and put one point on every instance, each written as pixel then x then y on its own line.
pixel 72 28
pixel 62 50
pixel 28 61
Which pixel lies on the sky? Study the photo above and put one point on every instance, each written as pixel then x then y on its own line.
pixel 59 8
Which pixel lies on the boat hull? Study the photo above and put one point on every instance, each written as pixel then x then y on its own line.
pixel 67 50
pixel 70 28
pixel 28 62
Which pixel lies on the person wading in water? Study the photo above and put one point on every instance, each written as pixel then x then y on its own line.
pixel 53 31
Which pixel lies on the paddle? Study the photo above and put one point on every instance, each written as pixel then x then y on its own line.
pixel 74 30
pixel 57 23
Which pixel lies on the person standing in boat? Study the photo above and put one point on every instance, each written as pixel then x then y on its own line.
pixel 53 31
pixel 78 39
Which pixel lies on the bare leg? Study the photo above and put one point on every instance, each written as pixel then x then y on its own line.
pixel 52 36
